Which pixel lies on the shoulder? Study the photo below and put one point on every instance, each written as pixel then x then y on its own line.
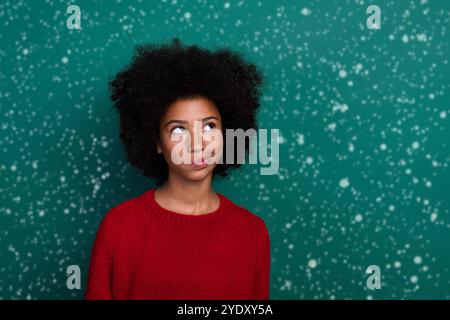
pixel 122 212
pixel 255 223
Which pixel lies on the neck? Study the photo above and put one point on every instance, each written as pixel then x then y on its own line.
pixel 195 196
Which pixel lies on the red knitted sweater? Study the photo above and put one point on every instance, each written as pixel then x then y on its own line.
pixel 143 251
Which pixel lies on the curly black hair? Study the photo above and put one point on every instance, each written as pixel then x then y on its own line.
pixel 158 75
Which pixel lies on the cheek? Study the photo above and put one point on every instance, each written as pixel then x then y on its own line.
pixel 173 150
pixel 170 141
pixel 214 148
pixel 167 145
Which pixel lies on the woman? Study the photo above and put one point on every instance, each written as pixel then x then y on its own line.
pixel 183 240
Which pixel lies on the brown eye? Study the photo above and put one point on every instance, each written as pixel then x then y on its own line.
pixel 211 125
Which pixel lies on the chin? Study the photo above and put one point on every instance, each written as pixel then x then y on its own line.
pixel 195 175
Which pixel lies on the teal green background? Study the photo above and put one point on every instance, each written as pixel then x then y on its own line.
pixel 367 107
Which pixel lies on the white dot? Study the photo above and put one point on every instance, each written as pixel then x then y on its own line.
pixel 344 183
pixel 13 167
pixel 397 264
pixel 187 15
pixel 312 263
pixel 287 284
pixel 433 216
pixel 351 147
pixel 391 207
pixel 358 217
pixel 309 160
pixel 65 60
pixel 405 38
pixel 415 145
pixel 305 11
pixel 383 146
pixel 443 115
pixel 414 279
pixel 332 126
pixel 421 37
pixel 417 260
pixel 226 5
pixel 342 73
pixel 41 213
pixel 25 52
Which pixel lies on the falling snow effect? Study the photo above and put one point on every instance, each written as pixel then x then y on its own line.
pixel 364 132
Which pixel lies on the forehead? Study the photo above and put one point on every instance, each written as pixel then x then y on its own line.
pixel 191 109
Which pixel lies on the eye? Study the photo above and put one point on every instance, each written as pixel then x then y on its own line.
pixel 211 125
pixel 177 130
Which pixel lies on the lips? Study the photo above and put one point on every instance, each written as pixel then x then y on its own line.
pixel 202 162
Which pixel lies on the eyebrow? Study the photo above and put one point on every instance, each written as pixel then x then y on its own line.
pixel 182 121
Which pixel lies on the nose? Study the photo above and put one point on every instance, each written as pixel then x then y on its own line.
pixel 196 150
pixel 196 146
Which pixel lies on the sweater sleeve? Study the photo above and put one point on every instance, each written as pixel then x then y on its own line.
pixel 100 268
pixel 262 277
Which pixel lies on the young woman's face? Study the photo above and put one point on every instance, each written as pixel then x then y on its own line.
pixel 191 133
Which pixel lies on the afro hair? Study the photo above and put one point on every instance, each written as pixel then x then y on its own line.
pixel 158 75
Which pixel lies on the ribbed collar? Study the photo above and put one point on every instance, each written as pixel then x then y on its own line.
pixel 187 220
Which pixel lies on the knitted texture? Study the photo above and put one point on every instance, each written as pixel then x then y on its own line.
pixel 143 251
